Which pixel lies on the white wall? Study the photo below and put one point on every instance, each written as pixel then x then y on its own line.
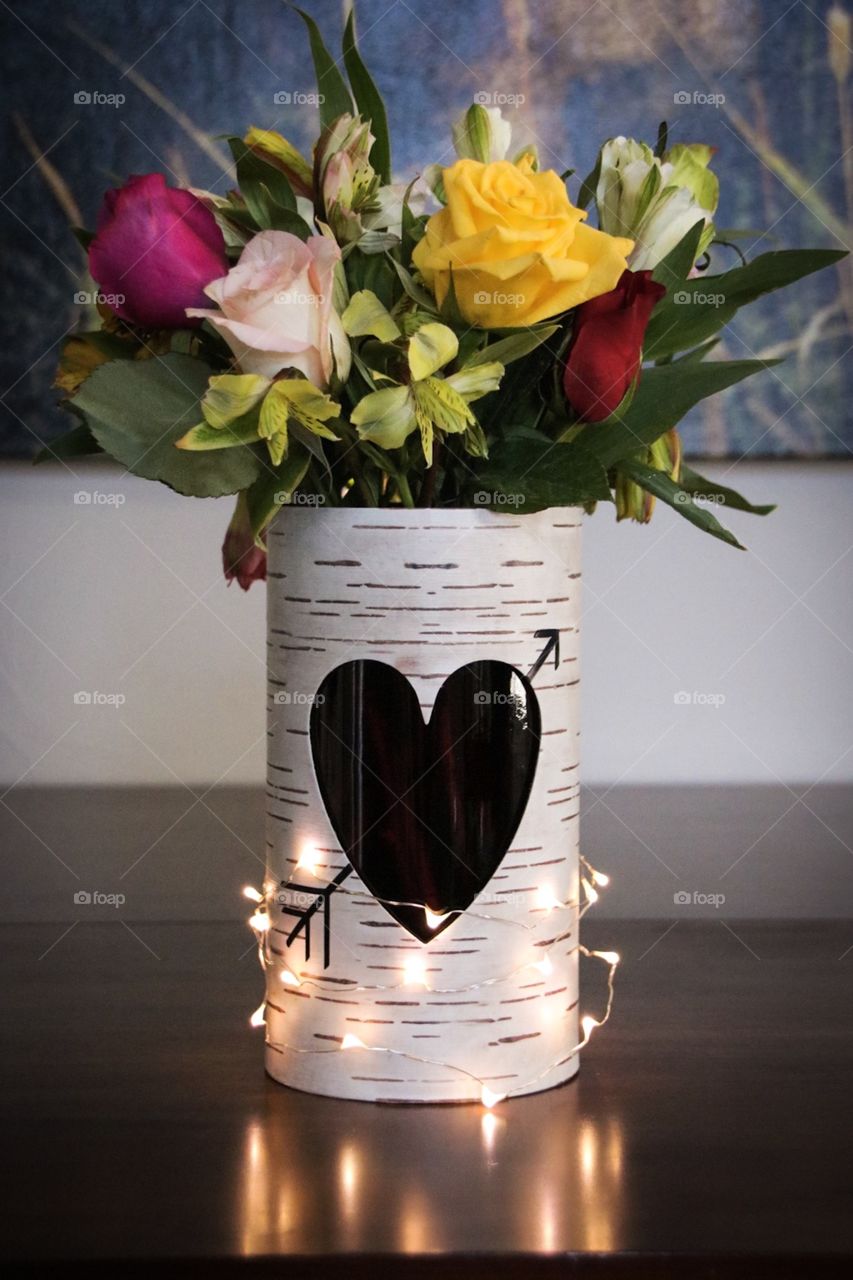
pixel 128 600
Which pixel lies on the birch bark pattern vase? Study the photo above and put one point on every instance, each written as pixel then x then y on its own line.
pixel 422 851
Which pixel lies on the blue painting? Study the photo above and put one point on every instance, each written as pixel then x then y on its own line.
pixel 98 90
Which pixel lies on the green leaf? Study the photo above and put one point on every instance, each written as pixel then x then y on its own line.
pixel 683 319
pixel 586 194
pixel 663 397
pixel 538 474
pixel 138 409
pixel 76 443
pixel 678 263
pixel 268 194
pixel 519 344
pixel 264 498
pixel 661 486
pixel 693 483
pixel 369 102
pixel 414 291
pixel 335 97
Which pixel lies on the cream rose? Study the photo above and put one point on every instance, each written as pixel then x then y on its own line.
pixel 275 308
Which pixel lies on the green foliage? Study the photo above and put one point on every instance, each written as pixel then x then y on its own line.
pixel 335 97
pixel 369 102
pixel 694 310
pixel 137 410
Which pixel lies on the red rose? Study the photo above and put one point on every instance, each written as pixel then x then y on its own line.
pixel 155 250
pixel 604 354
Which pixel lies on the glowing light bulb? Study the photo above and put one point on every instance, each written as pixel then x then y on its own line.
pixel 545 965
pixel 434 918
pixel 599 877
pixel 591 893
pixel 257 1019
pixel 289 978
pixel 588 1024
pixel 308 859
pixel 351 1041
pixel 610 957
pixel 414 970
pixel 546 899
pixel 260 921
pixel 489 1098
pixel 250 892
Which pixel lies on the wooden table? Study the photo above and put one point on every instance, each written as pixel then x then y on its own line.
pixel 708 1134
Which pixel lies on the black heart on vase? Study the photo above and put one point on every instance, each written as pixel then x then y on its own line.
pixel 425 811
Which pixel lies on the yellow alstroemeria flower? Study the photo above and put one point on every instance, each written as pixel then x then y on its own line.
pixel 243 408
pixel 516 247
pixel 429 401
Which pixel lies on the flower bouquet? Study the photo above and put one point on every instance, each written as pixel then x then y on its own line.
pixel 415 390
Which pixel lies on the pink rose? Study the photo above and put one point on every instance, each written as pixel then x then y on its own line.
pixel 276 307
pixel 156 248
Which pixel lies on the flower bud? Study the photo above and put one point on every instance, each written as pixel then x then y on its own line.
pixel 634 503
pixel 347 183
pixel 481 134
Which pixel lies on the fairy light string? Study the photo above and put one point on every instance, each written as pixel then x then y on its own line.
pixel 416 974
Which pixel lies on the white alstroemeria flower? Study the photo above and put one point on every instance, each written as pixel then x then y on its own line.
pixel 655 200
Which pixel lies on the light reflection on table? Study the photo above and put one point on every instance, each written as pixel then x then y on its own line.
pixel 345 1176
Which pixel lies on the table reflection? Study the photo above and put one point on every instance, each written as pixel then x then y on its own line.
pixel 537 1173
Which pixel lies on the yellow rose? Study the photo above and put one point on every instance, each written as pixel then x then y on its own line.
pixel 516 246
